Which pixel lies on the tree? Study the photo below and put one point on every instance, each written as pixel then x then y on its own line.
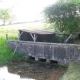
pixel 65 14
pixel 11 19
pixel 4 15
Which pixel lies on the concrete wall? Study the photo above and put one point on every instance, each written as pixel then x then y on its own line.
pixel 62 53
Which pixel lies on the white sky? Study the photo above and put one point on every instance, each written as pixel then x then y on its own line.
pixel 26 10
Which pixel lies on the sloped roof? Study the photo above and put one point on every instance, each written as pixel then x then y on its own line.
pixel 42 32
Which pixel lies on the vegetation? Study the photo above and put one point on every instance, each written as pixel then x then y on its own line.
pixel 5 53
pixel 73 72
pixel 5 15
pixel 65 14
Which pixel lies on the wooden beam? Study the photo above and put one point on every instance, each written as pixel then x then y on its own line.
pixel 68 38
pixel 20 35
pixel 15 47
pixel 17 44
pixel 34 37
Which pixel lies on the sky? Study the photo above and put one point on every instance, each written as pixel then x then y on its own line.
pixel 26 10
pixel 5 75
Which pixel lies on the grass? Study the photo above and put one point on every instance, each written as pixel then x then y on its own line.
pixel 73 71
pixel 5 53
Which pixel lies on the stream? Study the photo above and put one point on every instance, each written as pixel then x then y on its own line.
pixel 31 71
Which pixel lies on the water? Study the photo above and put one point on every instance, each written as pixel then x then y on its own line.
pixel 6 75
pixel 30 71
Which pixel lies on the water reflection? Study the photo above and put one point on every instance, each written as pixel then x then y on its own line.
pixel 30 71
pixel 5 75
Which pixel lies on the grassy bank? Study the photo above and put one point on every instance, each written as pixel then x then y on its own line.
pixel 73 72
pixel 5 53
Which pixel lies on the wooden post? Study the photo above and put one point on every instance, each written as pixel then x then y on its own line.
pixel 34 37
pixel 6 36
pixel 19 34
pixel 68 38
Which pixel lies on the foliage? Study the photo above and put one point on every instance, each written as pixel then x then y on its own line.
pixel 65 14
pixel 4 15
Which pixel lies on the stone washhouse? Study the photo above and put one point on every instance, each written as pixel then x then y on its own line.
pixel 40 45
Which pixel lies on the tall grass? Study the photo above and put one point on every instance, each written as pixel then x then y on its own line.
pixel 6 54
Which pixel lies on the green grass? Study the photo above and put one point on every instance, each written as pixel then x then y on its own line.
pixel 5 53
pixel 73 72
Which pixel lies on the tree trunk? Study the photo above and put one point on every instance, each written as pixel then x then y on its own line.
pixel 4 22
